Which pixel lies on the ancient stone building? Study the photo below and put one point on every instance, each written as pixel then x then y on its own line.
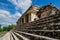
pixel 29 15
pixel 35 12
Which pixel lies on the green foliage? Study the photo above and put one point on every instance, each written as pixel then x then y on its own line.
pixel 9 27
pixel 5 28
pixel 0 28
pixel 0 25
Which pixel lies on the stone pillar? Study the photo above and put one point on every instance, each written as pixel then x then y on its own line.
pixel 29 17
pixel 24 20
pixel 21 21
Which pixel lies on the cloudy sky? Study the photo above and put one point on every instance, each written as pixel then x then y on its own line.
pixel 11 10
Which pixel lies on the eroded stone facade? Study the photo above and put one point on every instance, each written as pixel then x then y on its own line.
pixel 35 13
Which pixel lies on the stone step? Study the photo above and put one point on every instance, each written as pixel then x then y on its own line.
pixel 48 33
pixel 46 30
pixel 35 36
pixel 21 37
pixel 45 19
pixel 13 36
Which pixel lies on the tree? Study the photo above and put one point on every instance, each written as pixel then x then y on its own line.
pixel 0 28
pixel 0 25
pixel 5 28
pixel 9 27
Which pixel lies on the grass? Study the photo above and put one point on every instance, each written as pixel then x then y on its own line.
pixel 3 33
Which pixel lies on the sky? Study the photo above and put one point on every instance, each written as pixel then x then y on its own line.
pixel 11 10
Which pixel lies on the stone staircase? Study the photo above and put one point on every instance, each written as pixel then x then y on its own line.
pixel 18 35
pixel 47 28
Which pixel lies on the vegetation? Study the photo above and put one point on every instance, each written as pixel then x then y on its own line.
pixel 2 33
pixel 7 28
pixel 0 28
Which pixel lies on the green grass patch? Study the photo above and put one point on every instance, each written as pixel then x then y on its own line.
pixel 3 33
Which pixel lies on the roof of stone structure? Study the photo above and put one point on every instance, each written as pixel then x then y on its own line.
pixel 47 7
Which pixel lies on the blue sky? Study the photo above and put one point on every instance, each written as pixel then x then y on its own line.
pixel 44 2
pixel 11 10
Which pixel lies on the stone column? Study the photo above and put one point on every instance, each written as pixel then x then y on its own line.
pixel 29 17
pixel 24 20
pixel 21 21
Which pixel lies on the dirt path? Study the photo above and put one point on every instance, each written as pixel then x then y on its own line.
pixel 6 36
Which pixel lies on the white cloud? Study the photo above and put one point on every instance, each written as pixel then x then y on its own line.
pixel 6 18
pixel 22 4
